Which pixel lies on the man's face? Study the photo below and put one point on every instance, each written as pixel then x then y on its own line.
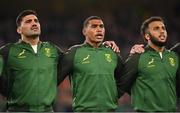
pixel 94 32
pixel 30 26
pixel 157 33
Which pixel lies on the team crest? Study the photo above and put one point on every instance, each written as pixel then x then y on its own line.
pixel 108 57
pixel 21 54
pixel 151 63
pixel 171 61
pixel 86 60
pixel 47 52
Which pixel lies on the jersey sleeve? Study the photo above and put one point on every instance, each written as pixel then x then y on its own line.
pixel 65 65
pixel 176 49
pixel 4 52
pixel 118 72
pixel 129 74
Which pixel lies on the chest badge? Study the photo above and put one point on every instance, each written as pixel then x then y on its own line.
pixel 108 57
pixel 22 54
pixel 171 61
pixel 47 52
pixel 151 63
pixel 86 60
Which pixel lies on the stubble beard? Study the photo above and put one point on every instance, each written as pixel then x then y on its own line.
pixel 35 36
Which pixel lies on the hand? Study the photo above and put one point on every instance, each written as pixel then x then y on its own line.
pixel 112 45
pixel 137 48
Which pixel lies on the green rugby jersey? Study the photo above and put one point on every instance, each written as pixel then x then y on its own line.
pixel 30 79
pixel 94 74
pixel 152 80
pixel 176 48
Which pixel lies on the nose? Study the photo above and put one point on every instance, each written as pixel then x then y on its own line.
pixel 162 30
pixel 99 29
pixel 34 22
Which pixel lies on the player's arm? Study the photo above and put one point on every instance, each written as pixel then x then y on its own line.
pixel 112 45
pixel 4 52
pixel 65 65
pixel 137 48
pixel 176 48
pixel 178 82
pixel 129 74
pixel 118 73
pixel 3 80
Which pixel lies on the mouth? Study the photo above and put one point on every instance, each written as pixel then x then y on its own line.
pixel 35 28
pixel 99 35
pixel 162 37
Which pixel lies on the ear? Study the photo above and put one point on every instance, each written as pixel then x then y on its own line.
pixel 147 36
pixel 18 30
pixel 84 31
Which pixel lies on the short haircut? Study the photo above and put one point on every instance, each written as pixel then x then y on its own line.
pixel 146 23
pixel 23 14
pixel 86 22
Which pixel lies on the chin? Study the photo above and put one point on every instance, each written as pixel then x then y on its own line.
pixel 99 41
pixel 34 36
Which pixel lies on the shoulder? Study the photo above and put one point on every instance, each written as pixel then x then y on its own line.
pixel 176 48
pixel 171 52
pixel 52 45
pixel 74 47
pixel 6 47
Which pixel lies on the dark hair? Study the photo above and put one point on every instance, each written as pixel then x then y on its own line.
pixel 146 23
pixel 90 18
pixel 23 14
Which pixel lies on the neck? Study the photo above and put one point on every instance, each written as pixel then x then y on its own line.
pixel 94 44
pixel 31 41
pixel 157 48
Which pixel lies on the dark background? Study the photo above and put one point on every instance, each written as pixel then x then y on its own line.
pixel 61 22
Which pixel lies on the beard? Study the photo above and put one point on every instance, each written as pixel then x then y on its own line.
pixel 156 42
pixel 33 36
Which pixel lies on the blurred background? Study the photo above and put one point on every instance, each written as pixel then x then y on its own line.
pixel 62 20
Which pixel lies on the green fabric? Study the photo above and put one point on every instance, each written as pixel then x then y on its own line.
pixel 92 78
pixel 155 86
pixel 32 78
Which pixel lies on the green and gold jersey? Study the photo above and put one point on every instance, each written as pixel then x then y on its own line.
pixel 30 79
pixel 151 76
pixel 94 74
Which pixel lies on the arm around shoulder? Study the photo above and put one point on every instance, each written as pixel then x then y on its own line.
pixel 65 65
pixel 129 74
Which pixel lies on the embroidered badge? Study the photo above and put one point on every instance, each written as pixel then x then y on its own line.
pixel 171 61
pixel 21 54
pixel 47 52
pixel 86 60
pixel 108 57
pixel 150 63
